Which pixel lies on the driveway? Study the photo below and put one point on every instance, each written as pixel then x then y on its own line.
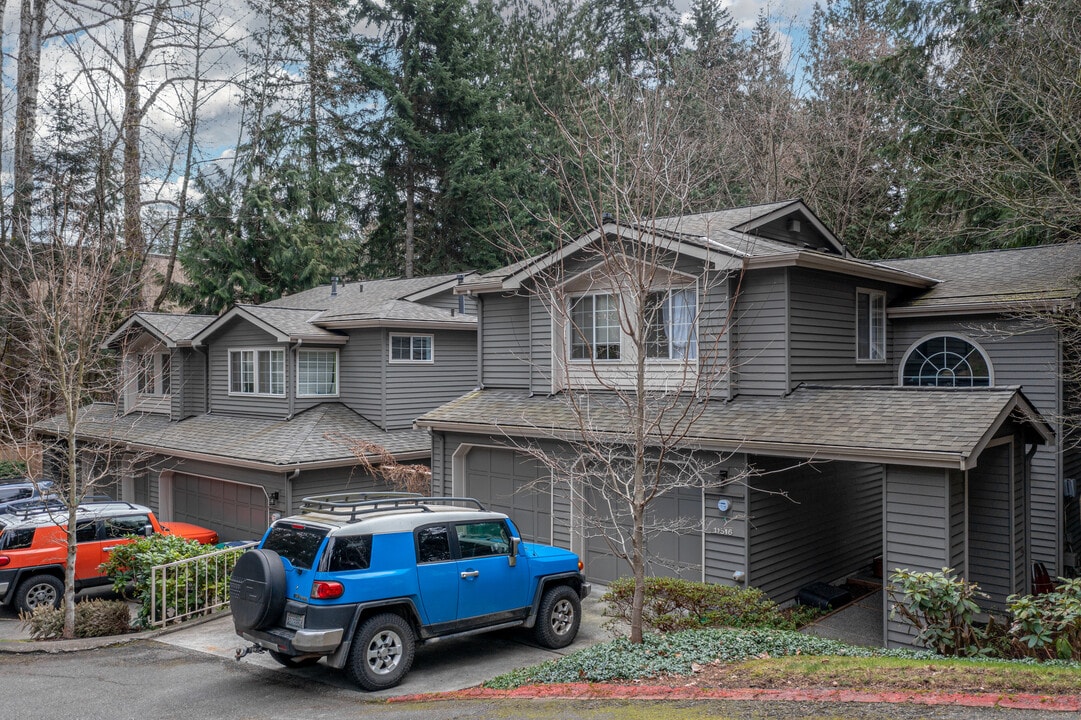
pixel 439 666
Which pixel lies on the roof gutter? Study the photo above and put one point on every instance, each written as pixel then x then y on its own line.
pixel 977 308
pixel 818 261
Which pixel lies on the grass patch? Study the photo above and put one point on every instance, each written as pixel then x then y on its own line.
pixel 899 673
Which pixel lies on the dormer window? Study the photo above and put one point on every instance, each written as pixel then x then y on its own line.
pixel 670 319
pixel 153 373
pixel 595 332
pixel 870 326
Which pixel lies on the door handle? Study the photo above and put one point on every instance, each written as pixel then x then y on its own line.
pixel 470 574
pixel 110 548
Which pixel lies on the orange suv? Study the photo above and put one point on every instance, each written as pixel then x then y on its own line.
pixel 33 547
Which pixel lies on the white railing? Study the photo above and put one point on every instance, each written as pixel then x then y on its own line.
pixel 192 587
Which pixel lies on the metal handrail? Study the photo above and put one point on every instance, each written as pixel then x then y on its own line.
pixel 205 585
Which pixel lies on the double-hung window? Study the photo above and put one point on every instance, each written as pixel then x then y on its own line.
pixel 595 332
pixel 870 326
pixel 257 372
pixel 670 324
pixel 153 373
pixel 411 348
pixel 317 373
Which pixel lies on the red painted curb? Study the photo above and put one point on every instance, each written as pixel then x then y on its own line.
pixel 585 691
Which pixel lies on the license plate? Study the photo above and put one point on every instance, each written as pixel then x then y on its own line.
pixel 294 621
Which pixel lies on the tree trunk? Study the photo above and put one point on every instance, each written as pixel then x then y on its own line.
pixel 131 127
pixel 410 211
pixel 31 30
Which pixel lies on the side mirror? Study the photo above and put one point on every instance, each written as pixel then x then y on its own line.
pixel 514 543
pixel 148 530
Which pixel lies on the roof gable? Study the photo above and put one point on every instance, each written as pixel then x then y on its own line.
pixel 171 329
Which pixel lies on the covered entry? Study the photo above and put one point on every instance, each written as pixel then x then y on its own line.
pixel 235 510
pixel 511 483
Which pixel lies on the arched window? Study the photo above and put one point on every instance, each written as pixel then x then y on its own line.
pixel 946 361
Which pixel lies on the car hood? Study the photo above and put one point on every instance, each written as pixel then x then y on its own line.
pixel 190 532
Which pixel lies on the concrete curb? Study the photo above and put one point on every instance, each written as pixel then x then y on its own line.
pixel 81 644
pixel 585 691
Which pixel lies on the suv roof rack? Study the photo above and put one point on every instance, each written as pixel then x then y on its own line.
pixel 26 509
pixel 342 504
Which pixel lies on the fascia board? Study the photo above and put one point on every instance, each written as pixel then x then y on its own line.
pixel 976 308
pixel 238 312
pixel 131 322
pixel 817 261
pixel 464 325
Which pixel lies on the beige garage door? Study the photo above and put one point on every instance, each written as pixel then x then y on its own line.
pixel 236 511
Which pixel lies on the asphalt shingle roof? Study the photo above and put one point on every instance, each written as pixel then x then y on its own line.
pixel 289 321
pixel 1020 275
pixel 359 295
pixel 940 427
pixel 176 327
pixel 308 438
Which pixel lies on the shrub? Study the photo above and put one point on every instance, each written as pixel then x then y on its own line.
pixel 12 469
pixel 1049 626
pixel 93 618
pixel 941 608
pixel 130 564
pixel 672 604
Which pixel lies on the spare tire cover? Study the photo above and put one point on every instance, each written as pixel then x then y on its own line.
pixel 257 589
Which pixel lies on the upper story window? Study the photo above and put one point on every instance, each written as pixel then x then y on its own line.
pixel 153 373
pixel 257 372
pixel 870 326
pixel 317 373
pixel 595 332
pixel 670 316
pixel 946 361
pixel 411 348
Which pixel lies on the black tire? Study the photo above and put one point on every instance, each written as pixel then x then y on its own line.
pixel 291 661
pixel 558 618
pixel 382 652
pixel 257 589
pixel 39 591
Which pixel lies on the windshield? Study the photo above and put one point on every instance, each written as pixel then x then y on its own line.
pixel 295 542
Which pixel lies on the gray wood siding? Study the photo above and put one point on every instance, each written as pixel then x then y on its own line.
pixel 237 336
pixel 725 537
pixel 715 330
pixel 412 389
pixel 807 235
pixel 811 523
pixel 989 503
pixel 331 480
pixel 192 382
pixel 540 344
pixel 449 301
pixel 362 362
pixel 916 529
pixel 958 522
pixel 505 331
pixel 822 332
pixel 761 337
pixel 1020 355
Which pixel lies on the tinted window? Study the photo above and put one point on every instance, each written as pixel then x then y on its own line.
pixel 296 543
pixel 483 538
pixel 433 544
pixel 351 553
pixel 86 531
pixel 124 525
pixel 16 539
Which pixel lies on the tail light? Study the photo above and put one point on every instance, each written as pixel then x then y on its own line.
pixel 327 590
pixel 4 560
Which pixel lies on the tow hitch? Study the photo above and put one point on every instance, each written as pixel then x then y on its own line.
pixel 245 651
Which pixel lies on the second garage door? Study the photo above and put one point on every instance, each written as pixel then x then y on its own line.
pixel 236 511
pixel 513 484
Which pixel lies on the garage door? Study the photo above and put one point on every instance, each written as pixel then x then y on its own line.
pixel 670 553
pixel 507 482
pixel 236 511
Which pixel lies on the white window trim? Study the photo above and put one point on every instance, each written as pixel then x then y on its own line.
pixel 157 358
pixel 958 336
pixel 337 372
pixel 255 371
pixel 395 361
pixel 569 332
pixel 872 293
pixel 680 361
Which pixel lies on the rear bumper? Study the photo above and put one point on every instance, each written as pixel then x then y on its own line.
pixel 297 642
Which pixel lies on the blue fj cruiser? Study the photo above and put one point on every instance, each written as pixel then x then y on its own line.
pixel 360 578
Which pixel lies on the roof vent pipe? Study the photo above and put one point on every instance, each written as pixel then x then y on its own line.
pixel 461 298
pixel 334 286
